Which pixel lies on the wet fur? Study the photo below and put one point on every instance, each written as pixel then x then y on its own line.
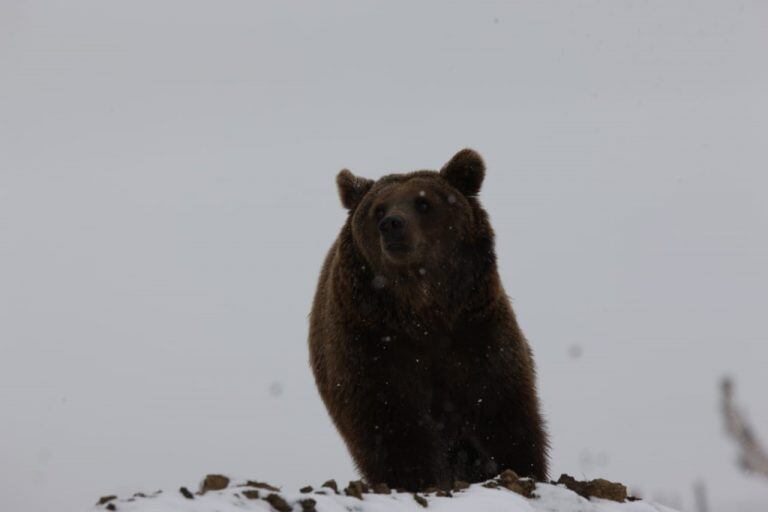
pixel 428 378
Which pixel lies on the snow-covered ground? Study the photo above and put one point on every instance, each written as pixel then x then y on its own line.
pixel 240 497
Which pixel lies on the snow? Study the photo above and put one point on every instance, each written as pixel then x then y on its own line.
pixel 550 498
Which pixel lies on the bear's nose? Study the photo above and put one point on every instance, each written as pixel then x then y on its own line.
pixel 392 224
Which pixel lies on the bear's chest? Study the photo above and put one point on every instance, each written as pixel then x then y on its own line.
pixel 439 373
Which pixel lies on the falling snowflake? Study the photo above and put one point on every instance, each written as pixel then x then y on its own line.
pixel 276 389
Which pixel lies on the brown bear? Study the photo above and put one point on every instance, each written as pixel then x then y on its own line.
pixel 414 345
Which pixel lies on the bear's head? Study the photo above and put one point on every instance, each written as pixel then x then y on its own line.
pixel 417 223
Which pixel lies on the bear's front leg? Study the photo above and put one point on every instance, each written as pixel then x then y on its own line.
pixel 386 422
pixel 404 450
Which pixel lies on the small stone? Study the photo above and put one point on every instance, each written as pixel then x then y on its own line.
pixel 251 494
pixel 111 506
pixel 308 505
pixel 214 483
pixel 185 492
pixel 508 476
pixel 331 484
pixel 278 503
pixel 306 490
pixel 460 485
pixel 571 483
pixel 106 499
pixel 421 500
pixel 355 489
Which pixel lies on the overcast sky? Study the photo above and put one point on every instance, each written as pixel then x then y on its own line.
pixel 167 196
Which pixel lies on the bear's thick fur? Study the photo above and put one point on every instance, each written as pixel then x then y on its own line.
pixel 413 342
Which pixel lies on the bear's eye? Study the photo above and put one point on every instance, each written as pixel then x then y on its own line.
pixel 379 212
pixel 422 206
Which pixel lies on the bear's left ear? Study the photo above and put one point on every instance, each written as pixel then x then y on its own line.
pixel 352 188
pixel 465 171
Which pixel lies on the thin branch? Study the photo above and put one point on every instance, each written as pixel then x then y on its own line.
pixel 752 456
pixel 700 496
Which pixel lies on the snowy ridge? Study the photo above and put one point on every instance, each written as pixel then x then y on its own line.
pixel 221 494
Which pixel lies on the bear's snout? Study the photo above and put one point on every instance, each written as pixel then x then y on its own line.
pixel 392 226
pixel 393 236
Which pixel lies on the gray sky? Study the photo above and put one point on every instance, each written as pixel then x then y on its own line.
pixel 167 197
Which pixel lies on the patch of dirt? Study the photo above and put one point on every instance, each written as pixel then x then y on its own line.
pixel 262 485
pixel 511 481
pixel 598 488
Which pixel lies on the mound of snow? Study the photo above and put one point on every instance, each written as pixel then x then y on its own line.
pixel 222 494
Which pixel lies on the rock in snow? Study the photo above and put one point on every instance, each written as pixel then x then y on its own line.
pixel 506 493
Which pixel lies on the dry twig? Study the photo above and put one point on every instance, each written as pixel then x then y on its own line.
pixel 752 456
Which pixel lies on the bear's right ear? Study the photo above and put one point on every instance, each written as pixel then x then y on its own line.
pixel 352 188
